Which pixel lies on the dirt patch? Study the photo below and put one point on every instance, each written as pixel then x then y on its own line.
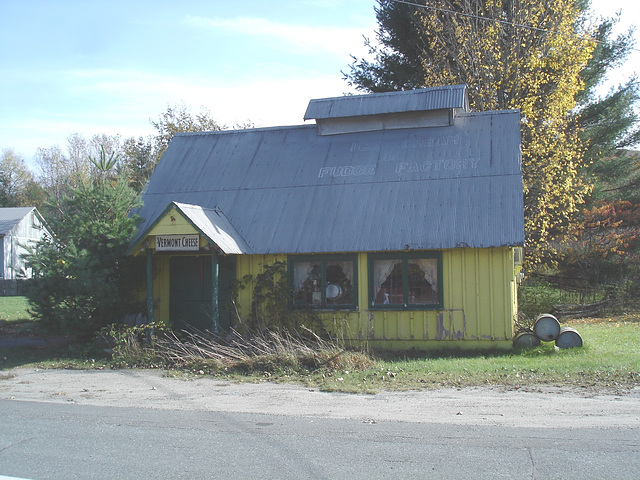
pixel 546 407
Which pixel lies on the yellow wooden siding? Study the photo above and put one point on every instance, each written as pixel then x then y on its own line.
pixel 478 288
pixel 479 302
pixel 173 223
pixel 252 265
pixel 161 289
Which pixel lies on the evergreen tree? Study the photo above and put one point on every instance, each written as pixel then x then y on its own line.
pixel 608 123
pixel 81 277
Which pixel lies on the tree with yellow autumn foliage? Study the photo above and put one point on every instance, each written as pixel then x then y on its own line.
pixel 512 54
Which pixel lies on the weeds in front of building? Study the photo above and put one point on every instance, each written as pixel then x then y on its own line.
pixel 262 352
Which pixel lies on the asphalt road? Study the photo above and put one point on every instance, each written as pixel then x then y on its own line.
pixel 58 441
pixel 139 425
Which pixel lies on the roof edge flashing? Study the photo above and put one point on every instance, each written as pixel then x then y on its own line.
pixel 241 130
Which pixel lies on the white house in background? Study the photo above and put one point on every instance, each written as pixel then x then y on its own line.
pixel 19 228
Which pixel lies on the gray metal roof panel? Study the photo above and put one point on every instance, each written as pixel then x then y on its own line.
pixel 289 190
pixel 11 216
pixel 215 226
pixel 435 98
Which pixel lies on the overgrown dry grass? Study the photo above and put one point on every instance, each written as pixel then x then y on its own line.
pixel 269 353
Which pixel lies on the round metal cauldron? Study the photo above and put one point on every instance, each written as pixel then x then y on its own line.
pixel 526 340
pixel 547 327
pixel 568 338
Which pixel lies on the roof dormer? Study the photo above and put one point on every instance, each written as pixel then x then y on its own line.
pixel 425 107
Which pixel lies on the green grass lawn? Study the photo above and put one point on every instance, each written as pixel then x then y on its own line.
pixel 15 320
pixel 14 309
pixel 610 358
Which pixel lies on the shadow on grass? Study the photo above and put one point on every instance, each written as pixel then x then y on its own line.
pixel 544 349
pixel 20 327
pixel 46 351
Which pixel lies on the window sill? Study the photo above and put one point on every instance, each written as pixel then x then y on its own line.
pixel 339 308
pixel 401 308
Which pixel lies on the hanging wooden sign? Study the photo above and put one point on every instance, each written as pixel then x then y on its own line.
pixel 177 243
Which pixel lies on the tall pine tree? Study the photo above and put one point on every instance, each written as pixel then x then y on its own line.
pixel 82 279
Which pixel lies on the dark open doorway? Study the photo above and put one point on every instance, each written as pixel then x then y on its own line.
pixel 191 293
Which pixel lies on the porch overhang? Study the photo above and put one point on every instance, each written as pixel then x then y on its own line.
pixel 210 223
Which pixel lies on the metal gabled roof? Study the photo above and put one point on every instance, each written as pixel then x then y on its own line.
pixel 214 225
pixel 423 99
pixel 12 216
pixel 290 190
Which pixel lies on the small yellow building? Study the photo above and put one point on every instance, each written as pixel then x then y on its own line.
pixel 399 217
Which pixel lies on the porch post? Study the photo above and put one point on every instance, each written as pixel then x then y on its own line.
pixel 215 313
pixel 149 285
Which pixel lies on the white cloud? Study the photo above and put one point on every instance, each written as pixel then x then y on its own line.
pixel 136 95
pixel 122 102
pixel 297 37
pixel 265 102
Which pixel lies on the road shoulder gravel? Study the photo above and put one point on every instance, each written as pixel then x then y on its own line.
pixel 152 389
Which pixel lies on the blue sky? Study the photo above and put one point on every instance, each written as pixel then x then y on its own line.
pixel 93 66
